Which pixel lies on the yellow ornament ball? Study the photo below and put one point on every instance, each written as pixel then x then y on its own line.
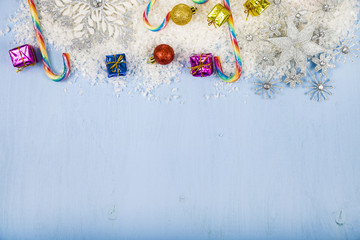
pixel 181 14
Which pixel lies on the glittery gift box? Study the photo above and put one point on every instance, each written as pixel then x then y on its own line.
pixel 256 7
pixel 218 15
pixel 23 56
pixel 116 65
pixel 202 65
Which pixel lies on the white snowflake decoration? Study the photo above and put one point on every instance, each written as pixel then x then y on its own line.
pixel 326 9
pixel 266 85
pixel 323 63
pixel 266 59
pixel 272 29
pixel 299 16
pixel 320 88
pixel 347 50
pixel 93 20
pixel 293 77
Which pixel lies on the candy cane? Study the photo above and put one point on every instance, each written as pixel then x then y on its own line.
pixel 165 21
pixel 236 49
pixel 40 40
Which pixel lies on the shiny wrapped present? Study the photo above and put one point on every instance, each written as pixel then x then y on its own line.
pixel 22 57
pixel 202 65
pixel 256 7
pixel 116 65
pixel 218 15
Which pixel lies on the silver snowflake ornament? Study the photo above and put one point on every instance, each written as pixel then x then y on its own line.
pixel 265 85
pixel 248 39
pixel 266 58
pixel 299 16
pixel 277 7
pixel 272 29
pixel 347 50
pixel 325 8
pixel 297 45
pixel 325 37
pixel 320 88
pixel 93 20
pixel 293 77
pixel 323 63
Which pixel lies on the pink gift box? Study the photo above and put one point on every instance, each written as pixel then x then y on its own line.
pixel 23 56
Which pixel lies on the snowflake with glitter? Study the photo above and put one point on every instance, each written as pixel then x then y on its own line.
pixel 267 85
pixel 320 88
pixel 92 21
pixel 348 49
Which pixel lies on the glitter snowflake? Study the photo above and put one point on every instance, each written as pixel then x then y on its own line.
pixel 323 63
pixel 92 20
pixel 266 85
pixel 297 45
pixel 324 37
pixel 325 8
pixel 277 7
pixel 320 88
pixel 249 39
pixel 299 16
pixel 272 29
pixel 347 50
pixel 293 77
pixel 265 58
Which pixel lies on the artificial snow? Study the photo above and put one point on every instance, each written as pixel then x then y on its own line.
pixel 195 38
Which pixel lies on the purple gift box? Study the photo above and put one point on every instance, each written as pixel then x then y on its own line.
pixel 23 56
pixel 202 65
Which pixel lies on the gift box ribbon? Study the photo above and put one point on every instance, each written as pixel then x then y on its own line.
pixel 115 67
pixel 22 59
pixel 199 67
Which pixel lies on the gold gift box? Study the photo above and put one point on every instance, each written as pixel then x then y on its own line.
pixel 256 7
pixel 218 15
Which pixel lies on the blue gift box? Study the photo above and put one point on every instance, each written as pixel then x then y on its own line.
pixel 116 65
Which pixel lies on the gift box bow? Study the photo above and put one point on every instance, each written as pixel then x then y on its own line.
pixel 194 70
pixel 115 64
pixel 23 60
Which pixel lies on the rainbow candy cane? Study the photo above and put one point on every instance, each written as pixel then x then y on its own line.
pixel 167 18
pixel 235 45
pixel 45 59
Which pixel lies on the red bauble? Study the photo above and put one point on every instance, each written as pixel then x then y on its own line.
pixel 164 54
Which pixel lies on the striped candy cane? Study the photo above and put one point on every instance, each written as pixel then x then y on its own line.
pixel 41 42
pixel 165 21
pixel 236 49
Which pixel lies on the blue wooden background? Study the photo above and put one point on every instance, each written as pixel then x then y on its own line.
pixel 94 166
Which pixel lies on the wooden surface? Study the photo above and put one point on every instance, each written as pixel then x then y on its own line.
pixel 94 166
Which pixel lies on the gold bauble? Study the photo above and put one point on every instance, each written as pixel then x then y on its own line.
pixel 181 14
